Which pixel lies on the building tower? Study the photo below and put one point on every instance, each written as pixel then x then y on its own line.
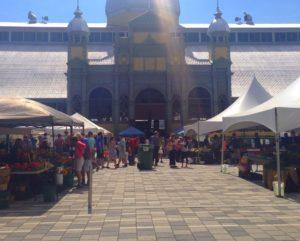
pixel 219 55
pixel 78 35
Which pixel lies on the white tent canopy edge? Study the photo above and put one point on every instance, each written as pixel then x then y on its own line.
pixel 255 95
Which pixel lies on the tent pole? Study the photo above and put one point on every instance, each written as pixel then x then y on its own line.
pixel 71 130
pixel 198 140
pixel 222 151
pixel 277 136
pixel 53 136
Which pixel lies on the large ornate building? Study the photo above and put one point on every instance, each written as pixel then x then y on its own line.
pixel 148 75
pixel 143 65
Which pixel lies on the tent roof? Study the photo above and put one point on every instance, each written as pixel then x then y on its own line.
pixel 89 125
pixel 131 131
pixel 287 105
pixel 17 111
pixel 255 95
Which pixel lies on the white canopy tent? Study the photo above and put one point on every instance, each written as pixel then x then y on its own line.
pixel 15 111
pixel 88 126
pixel 284 109
pixel 279 114
pixel 255 95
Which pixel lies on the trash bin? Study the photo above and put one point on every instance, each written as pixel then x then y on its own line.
pixel 145 157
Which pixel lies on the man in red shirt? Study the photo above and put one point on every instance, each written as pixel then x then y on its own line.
pixel 79 158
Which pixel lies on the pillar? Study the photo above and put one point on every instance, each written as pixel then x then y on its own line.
pixel 116 103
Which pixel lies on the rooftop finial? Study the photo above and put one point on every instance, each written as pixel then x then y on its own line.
pixel 218 13
pixel 77 12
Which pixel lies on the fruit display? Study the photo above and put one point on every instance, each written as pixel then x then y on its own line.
pixel 28 166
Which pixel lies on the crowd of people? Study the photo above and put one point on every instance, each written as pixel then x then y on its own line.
pixel 96 151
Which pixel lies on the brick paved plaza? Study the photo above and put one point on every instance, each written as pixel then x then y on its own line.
pixel 183 204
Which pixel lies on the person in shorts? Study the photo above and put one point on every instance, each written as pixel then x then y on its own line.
pixel 100 149
pixel 88 157
pixel 112 152
pixel 79 158
pixel 122 152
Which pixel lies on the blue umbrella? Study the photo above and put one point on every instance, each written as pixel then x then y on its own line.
pixel 179 131
pixel 131 131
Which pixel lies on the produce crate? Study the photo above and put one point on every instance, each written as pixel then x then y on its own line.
pixel 4 178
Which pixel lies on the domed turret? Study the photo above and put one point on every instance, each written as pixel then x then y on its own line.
pixel 120 12
pixel 78 24
pixel 218 25
pixel 218 32
pixel 78 33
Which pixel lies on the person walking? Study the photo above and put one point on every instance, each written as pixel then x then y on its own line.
pixel 112 152
pixel 59 144
pixel 87 166
pixel 89 156
pixel 216 148
pixel 155 142
pixel 133 146
pixel 184 152
pixel 171 151
pixel 178 149
pixel 122 152
pixel 79 158
pixel 99 144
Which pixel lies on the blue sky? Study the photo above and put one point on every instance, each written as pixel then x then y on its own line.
pixel 192 11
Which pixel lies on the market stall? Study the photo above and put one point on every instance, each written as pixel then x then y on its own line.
pixel 32 168
pixel 279 114
pixel 254 96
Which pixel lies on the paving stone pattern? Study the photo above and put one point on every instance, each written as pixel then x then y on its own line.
pixel 198 203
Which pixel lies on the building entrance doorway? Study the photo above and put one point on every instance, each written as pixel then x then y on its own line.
pixel 150 111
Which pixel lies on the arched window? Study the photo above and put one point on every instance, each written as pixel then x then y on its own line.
pixel 199 104
pixel 100 105
pixel 150 104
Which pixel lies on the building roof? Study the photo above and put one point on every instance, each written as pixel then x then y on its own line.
pixel 185 25
pixel 246 26
pixel 275 66
pixel 38 71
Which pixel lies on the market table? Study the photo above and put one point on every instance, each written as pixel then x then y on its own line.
pixel 49 166
pixel 27 184
pixel 290 170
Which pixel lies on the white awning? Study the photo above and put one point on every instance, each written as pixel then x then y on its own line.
pixel 254 96
pixel 15 111
pixel 285 105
